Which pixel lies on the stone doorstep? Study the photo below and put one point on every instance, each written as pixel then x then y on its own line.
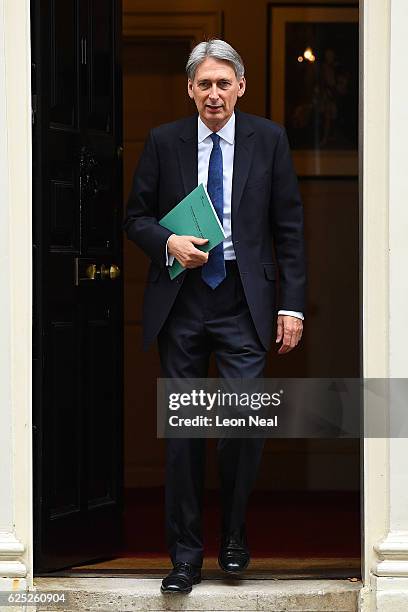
pixel 128 594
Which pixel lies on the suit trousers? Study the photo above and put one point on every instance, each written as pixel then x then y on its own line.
pixel 204 321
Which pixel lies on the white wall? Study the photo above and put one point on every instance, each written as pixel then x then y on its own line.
pixel 5 306
pixel 374 158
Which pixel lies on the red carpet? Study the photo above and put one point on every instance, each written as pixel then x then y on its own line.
pixel 279 524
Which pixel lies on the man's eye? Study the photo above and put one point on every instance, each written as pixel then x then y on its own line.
pixel 224 84
pixel 203 85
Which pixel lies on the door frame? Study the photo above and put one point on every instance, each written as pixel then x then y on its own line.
pixel 16 525
pixel 379 198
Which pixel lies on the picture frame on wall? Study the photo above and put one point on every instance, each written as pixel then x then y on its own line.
pixel 313 85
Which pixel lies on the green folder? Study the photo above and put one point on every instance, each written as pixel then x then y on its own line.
pixel 195 215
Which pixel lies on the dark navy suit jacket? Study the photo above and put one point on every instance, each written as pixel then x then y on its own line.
pixel 267 217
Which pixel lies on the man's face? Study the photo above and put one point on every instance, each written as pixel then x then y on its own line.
pixel 215 90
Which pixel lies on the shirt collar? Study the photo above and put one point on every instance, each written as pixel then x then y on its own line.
pixel 227 132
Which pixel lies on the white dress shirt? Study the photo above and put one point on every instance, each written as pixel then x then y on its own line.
pixel 205 144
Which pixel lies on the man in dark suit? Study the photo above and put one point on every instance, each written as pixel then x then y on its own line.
pixel 224 303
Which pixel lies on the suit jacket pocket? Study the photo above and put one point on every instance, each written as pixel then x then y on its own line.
pixel 154 273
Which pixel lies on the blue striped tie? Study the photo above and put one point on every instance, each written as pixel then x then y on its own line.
pixel 213 272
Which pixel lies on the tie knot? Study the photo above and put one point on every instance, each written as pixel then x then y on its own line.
pixel 215 138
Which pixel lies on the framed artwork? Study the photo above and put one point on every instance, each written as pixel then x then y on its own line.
pixel 313 85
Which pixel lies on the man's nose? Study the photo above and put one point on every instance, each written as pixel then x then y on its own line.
pixel 214 92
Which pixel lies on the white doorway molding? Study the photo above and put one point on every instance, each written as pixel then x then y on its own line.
pixel 385 294
pixel 15 297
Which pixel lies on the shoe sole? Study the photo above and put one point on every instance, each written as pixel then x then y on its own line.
pixel 181 591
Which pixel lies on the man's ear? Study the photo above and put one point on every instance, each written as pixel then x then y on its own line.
pixel 190 88
pixel 242 87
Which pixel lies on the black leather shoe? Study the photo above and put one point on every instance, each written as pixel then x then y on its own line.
pixel 181 578
pixel 234 554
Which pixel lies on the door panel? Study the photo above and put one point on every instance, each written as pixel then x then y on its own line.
pixel 64 222
pixel 63 425
pixel 101 41
pixel 78 289
pixel 100 321
pixel 64 63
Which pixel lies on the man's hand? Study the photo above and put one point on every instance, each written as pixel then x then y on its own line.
pixel 289 330
pixel 183 249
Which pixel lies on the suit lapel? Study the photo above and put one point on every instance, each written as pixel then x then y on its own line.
pixel 244 144
pixel 187 150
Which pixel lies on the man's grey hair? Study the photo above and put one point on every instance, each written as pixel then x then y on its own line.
pixel 218 49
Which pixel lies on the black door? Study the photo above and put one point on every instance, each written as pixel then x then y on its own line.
pixel 78 289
